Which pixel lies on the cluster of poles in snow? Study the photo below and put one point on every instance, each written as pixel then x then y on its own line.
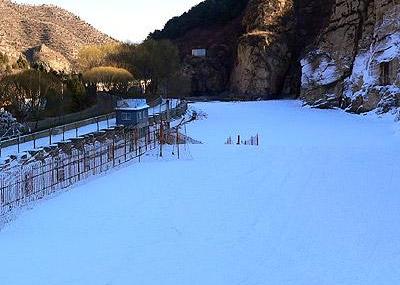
pixel 254 141
pixel 37 174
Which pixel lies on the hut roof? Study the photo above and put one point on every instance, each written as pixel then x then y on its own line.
pixel 132 105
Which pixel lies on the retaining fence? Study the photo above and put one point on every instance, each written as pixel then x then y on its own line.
pixel 55 131
pixel 159 106
pixel 37 174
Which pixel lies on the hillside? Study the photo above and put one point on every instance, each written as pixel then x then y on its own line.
pixel 27 27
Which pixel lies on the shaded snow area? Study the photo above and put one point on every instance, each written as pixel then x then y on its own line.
pixel 317 203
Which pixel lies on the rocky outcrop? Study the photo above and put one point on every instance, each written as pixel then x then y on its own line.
pixel 210 75
pixel 277 33
pixel 48 59
pixel 354 65
pixel 256 54
pixel 23 27
pixel 263 52
pixel 331 53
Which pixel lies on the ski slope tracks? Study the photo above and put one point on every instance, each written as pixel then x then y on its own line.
pixel 316 203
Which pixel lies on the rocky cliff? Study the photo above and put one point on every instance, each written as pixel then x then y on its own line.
pixel 331 53
pixel 47 33
pixel 277 33
pixel 354 64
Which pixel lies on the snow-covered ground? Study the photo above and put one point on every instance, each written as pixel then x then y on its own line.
pixel 316 203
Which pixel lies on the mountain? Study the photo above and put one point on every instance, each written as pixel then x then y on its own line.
pixel 330 53
pixel 46 32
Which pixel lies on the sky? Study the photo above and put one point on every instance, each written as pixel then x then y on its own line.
pixel 125 20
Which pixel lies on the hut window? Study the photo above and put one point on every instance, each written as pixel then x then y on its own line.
pixel 385 73
pixel 201 52
pixel 125 116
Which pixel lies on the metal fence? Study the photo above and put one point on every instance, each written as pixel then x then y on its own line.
pixel 37 174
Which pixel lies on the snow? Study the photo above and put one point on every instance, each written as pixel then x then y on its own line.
pixel 390 48
pixel 316 203
pixel 325 73
pixel 132 105
pixel 366 68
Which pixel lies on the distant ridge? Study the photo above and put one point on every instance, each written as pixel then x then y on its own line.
pixel 24 28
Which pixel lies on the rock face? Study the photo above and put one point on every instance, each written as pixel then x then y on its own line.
pixel 49 59
pixel 277 33
pixel 263 52
pixel 331 53
pixel 257 53
pixel 210 75
pixel 354 65
pixel 23 27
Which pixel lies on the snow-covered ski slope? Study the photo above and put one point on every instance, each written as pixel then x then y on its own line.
pixel 318 203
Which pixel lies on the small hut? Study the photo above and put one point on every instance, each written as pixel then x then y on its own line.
pixel 132 112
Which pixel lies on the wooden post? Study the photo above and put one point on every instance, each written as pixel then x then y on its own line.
pixel 34 142
pixel 125 146
pixel 97 122
pixel 50 133
pixel 145 140
pixel 161 139
pixel 76 130
pixel 113 149
pixel 177 141
pixel 136 142
pixel 63 133
pixel 238 141
pixel 79 166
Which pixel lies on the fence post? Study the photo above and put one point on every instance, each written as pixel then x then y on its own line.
pixel 177 141
pixel 161 139
pixel 238 141
pixel 125 145
pixel 113 147
pixel 155 138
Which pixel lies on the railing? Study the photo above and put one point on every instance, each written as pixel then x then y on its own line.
pixel 40 173
pixel 158 106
